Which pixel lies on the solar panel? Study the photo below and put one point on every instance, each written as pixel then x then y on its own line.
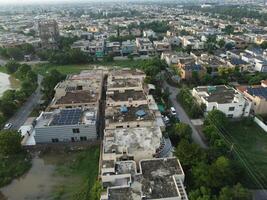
pixel 67 117
pixel 262 92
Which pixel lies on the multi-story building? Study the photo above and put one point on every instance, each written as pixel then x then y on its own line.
pixel 80 90
pixel 160 179
pixel 226 99
pixel 144 47
pixel 257 94
pixel 65 125
pixel 162 46
pixel 93 47
pixel 49 33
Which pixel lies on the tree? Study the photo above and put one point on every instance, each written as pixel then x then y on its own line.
pixel 189 154
pixel 221 43
pixel 28 48
pixel 216 118
pixel 108 58
pixel 201 193
pixel 12 67
pixel 96 191
pixel 22 71
pixel 15 53
pixel 229 29
pixel 49 82
pixel 221 173
pixel 229 46
pixel 200 175
pixel 183 130
pixel 238 192
pixel 264 45
pixel 10 142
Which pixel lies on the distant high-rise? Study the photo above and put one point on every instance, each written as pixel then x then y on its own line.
pixel 49 33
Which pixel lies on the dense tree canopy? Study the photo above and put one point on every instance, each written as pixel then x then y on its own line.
pixel 10 142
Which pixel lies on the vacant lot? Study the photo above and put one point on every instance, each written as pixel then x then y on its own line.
pixel 70 69
pixel 251 143
pixel 80 171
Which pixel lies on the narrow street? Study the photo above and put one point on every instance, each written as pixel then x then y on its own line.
pixel 182 114
pixel 25 110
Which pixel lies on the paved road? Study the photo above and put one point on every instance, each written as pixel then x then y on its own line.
pixel 182 115
pixel 25 110
pixel 33 62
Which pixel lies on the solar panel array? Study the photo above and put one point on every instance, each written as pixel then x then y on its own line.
pixel 262 92
pixel 67 117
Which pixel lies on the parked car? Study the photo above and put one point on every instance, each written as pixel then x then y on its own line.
pixel 8 126
pixel 173 111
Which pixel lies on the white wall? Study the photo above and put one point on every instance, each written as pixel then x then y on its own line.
pixel 260 123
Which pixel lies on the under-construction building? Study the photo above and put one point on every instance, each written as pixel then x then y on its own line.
pixel 49 33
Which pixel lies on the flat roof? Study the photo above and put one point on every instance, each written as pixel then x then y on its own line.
pixel 219 94
pixel 75 97
pixel 62 117
pixel 123 83
pixel 114 114
pixel 158 177
pixel 126 95
pixel 146 139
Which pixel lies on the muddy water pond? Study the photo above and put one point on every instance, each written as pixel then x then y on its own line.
pixel 7 82
pixel 38 183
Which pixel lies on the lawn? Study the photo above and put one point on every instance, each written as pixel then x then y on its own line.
pixel 80 172
pixel 12 167
pixel 70 69
pixel 251 142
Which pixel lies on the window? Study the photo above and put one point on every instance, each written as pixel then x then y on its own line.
pixel 75 130
pixel 231 108
pixel 230 116
pixel 54 140
pixel 83 138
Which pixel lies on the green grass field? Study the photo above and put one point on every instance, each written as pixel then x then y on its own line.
pixel 12 167
pixel 80 172
pixel 251 142
pixel 70 69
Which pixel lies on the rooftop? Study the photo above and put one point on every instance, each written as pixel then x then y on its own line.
pixel 257 91
pixel 62 117
pixel 145 139
pixel 219 94
pixel 114 114
pixel 158 177
pixel 123 83
pixel 126 95
pixel 76 97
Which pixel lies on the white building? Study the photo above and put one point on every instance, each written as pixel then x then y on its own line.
pixel 226 99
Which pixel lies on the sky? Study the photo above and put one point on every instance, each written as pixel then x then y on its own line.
pixel 41 1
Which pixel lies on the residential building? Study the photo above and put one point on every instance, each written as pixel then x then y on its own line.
pixel 66 125
pixel 144 47
pixel 128 48
pixel 160 179
pixel 257 94
pixel 162 46
pixel 49 33
pixel 79 91
pixel 224 98
pixel 149 34
pixel 187 69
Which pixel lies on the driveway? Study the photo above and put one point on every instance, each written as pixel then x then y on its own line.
pixel 25 110
pixel 182 114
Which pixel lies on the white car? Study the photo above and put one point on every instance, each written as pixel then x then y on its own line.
pixel 8 126
pixel 173 111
